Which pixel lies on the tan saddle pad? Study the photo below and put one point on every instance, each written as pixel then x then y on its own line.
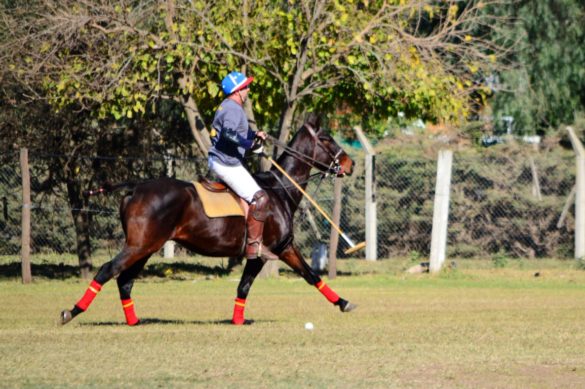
pixel 219 204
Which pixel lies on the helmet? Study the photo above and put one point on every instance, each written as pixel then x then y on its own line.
pixel 234 82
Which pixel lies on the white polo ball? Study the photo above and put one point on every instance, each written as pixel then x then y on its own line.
pixel 309 326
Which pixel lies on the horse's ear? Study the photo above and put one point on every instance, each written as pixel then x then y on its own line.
pixel 314 120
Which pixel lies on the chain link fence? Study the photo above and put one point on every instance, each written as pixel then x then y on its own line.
pixel 501 204
pixel 10 194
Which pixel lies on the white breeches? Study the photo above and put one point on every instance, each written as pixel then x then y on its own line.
pixel 236 177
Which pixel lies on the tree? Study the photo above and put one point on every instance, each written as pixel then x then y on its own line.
pixel 107 65
pixel 547 87
pixel 110 59
pixel 416 56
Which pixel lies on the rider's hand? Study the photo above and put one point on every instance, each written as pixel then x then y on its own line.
pixel 262 135
pixel 257 146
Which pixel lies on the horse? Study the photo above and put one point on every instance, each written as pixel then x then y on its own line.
pixel 155 211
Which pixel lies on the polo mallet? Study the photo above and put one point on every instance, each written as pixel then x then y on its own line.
pixel 352 246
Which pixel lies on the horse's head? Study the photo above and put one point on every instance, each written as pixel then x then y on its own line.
pixel 327 155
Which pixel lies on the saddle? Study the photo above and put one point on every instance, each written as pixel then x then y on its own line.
pixel 218 200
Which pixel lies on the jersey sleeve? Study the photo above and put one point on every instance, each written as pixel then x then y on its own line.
pixel 230 133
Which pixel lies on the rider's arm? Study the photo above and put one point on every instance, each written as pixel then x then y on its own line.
pixel 231 134
pixel 252 134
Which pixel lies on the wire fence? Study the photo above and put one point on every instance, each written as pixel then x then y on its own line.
pixel 501 205
pixel 507 205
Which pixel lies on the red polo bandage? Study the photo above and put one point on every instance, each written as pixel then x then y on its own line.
pixel 128 306
pixel 327 292
pixel 239 307
pixel 92 291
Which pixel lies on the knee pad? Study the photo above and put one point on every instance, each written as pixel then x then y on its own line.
pixel 259 208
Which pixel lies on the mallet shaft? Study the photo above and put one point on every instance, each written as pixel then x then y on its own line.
pixel 276 165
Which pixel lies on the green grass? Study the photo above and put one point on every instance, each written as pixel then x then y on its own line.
pixel 474 327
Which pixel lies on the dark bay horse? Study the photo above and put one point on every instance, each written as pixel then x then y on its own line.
pixel 167 209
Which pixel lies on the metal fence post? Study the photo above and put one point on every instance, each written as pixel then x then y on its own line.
pixel 441 210
pixel 580 195
pixel 25 242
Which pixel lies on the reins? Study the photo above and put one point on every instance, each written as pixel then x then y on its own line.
pixel 333 167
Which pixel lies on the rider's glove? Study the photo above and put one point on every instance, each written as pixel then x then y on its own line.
pixel 257 146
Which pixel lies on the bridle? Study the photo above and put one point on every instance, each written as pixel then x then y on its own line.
pixel 334 166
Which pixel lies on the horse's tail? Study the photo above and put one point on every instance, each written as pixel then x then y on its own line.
pixel 109 188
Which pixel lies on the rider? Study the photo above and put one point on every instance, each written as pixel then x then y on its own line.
pixel 230 138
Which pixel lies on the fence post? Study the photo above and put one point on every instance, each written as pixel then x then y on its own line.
pixel 334 237
pixel 568 202
pixel 25 237
pixel 371 217
pixel 580 195
pixel 441 210
pixel 169 247
pixel 270 269
pixel 535 182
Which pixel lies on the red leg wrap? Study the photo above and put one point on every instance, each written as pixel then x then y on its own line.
pixel 92 291
pixel 128 306
pixel 327 292
pixel 239 306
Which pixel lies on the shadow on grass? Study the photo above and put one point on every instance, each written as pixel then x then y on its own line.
pixel 160 270
pixel 164 269
pixel 151 321
pixel 61 271
pixel 46 270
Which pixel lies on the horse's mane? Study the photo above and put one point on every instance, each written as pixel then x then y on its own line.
pixel 266 180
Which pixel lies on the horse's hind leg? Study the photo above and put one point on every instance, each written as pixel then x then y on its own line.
pixel 251 270
pixel 125 283
pixel 292 257
pixel 124 260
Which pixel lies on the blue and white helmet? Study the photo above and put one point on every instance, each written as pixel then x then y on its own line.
pixel 234 82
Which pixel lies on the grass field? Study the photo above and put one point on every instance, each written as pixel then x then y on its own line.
pixel 473 327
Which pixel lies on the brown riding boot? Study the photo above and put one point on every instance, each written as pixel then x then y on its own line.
pixel 254 246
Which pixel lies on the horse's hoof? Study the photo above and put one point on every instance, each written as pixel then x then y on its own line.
pixel 66 316
pixel 347 307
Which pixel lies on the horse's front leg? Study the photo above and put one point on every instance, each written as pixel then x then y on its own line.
pixel 251 270
pixel 292 257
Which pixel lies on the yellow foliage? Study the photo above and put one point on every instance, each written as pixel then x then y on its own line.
pixel 453 11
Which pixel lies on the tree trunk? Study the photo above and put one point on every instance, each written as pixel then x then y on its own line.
pixel 284 126
pixel 196 124
pixel 82 221
pixel 250 114
pixel 263 164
